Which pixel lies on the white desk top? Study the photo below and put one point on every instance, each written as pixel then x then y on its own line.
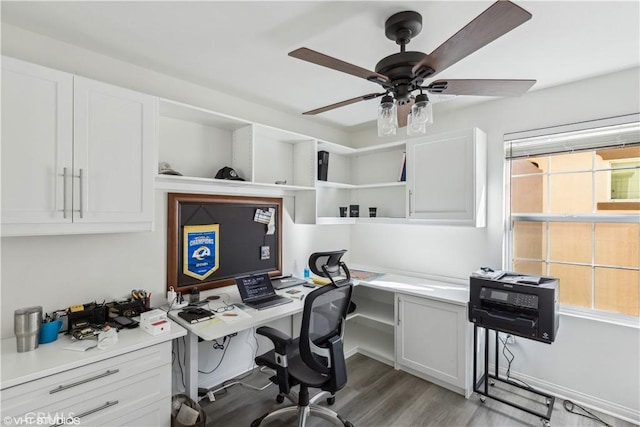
pixel 222 326
pixel 51 358
pixel 425 288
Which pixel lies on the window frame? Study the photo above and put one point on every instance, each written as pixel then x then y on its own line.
pixel 593 218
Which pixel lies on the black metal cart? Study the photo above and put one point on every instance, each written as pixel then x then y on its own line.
pixel 483 385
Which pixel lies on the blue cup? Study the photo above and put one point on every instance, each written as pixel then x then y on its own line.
pixel 49 331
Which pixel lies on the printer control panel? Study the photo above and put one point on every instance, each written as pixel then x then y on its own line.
pixel 515 299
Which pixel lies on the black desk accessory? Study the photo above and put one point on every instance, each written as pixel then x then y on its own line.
pixel 196 315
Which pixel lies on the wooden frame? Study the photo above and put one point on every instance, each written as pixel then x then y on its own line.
pixel 174 236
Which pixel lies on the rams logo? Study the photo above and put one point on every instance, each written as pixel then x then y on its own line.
pixel 201 253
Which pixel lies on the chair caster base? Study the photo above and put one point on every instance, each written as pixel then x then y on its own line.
pixel 258 421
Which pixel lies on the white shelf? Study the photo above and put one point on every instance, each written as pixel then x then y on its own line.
pixel 373 310
pixel 349 151
pixel 342 185
pixel 369 341
pixel 335 220
pixel 381 185
pixel 329 184
pixel 195 184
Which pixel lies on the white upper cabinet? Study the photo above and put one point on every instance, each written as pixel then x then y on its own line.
pixel 446 178
pixel 37 143
pixel 113 153
pixel 77 155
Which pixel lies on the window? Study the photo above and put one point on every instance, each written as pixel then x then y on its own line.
pixel 574 211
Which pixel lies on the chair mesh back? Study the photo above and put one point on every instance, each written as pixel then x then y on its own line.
pixel 324 312
pixel 328 260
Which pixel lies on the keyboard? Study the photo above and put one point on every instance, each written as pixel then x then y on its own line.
pixel 269 302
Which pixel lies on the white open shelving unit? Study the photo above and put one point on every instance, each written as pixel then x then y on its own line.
pixel 367 177
pixel 197 143
pixel 371 327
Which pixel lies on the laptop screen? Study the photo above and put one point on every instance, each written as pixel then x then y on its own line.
pixel 254 287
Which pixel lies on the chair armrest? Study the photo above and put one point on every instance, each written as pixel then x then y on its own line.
pixel 339 367
pixel 280 340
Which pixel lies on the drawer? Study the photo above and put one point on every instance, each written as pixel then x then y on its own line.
pixel 125 399
pixel 82 381
pixel 156 414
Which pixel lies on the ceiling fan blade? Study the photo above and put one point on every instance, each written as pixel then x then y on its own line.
pixel 336 64
pixel 343 103
pixel 481 87
pixel 403 112
pixel 500 18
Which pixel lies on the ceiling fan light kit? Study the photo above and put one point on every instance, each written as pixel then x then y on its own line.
pixel 387 116
pixel 405 72
pixel 421 116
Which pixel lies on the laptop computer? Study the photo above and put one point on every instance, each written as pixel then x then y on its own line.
pixel 256 291
pixel 287 282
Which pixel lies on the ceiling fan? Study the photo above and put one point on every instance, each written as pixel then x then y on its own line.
pixel 405 72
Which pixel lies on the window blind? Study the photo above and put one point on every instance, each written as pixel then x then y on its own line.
pixel 615 132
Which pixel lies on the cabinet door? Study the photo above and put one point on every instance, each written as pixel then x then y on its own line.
pixel 446 178
pixel 114 131
pixel 432 338
pixel 36 144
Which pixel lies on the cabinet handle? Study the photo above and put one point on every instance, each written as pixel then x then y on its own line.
pixel 410 204
pixel 80 188
pixel 64 192
pixel 91 411
pixel 68 386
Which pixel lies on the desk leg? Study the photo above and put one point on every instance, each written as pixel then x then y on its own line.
pixel 192 366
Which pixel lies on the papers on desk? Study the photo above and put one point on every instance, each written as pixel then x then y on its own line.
pixel 233 316
pixel 82 345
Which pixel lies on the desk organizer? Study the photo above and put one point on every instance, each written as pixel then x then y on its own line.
pixel 155 322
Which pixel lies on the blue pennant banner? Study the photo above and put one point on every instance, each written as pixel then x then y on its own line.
pixel 200 250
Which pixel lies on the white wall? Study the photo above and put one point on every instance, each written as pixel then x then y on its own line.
pixel 593 361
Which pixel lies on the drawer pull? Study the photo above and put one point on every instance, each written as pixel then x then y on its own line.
pixel 91 411
pixel 68 386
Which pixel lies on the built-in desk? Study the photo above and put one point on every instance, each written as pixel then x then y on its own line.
pixel 417 325
pixel 128 383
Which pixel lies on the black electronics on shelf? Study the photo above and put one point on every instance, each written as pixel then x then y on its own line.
pixel 323 165
pixel 516 304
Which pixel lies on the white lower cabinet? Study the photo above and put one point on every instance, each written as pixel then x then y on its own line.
pixel 131 389
pixel 425 337
pixel 433 341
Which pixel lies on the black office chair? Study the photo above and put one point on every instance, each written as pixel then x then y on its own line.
pixel 316 358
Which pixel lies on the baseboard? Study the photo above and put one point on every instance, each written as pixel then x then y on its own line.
pixel 588 401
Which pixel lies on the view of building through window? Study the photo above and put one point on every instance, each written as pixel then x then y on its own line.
pixel 575 216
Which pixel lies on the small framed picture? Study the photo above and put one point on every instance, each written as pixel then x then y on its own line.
pixel 265 252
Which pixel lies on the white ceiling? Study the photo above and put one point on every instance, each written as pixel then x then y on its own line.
pixel 241 47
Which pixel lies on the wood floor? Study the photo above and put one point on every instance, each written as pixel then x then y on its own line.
pixel 379 396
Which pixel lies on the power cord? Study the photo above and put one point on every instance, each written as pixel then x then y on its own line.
pixel 510 357
pixel 224 348
pixel 570 407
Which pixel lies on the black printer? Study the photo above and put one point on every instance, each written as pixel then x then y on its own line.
pixel 522 305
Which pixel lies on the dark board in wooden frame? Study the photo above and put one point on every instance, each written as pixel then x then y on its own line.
pixel 240 237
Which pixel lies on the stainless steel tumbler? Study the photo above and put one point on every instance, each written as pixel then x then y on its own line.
pixel 26 324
